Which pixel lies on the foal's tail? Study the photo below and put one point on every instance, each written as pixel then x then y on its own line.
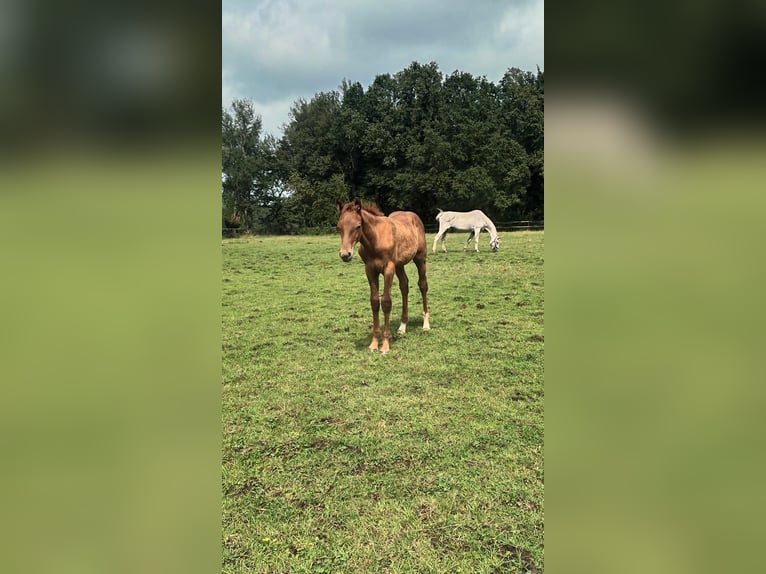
pixel 438 215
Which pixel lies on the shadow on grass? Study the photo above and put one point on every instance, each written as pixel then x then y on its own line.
pixel 414 328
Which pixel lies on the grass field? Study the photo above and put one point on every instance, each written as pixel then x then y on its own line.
pixel 335 459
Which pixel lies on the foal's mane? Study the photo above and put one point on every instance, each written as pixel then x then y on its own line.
pixel 368 206
pixel 371 207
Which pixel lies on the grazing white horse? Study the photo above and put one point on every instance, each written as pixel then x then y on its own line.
pixel 473 221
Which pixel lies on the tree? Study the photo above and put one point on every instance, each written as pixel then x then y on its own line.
pixel 321 145
pixel 250 170
pixel 417 140
pixel 523 112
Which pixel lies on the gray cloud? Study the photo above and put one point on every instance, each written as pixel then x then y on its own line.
pixel 276 51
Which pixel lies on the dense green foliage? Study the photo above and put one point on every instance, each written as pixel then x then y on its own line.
pixel 415 140
pixel 335 459
pixel 249 165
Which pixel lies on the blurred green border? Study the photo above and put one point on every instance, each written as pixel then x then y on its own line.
pixel 110 358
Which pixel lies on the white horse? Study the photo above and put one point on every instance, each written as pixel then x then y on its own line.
pixel 473 221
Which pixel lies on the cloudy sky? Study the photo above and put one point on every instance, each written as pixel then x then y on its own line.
pixel 276 51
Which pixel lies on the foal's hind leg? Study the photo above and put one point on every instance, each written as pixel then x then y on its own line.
pixel 420 263
pixel 404 287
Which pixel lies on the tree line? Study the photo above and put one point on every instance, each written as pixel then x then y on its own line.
pixel 416 140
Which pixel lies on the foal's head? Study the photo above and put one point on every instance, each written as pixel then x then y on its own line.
pixel 495 244
pixel 349 227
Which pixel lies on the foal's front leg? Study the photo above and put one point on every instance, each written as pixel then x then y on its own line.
pixel 385 301
pixel 372 277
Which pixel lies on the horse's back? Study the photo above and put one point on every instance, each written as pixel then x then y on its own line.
pixel 462 219
pixel 474 213
pixel 406 217
pixel 410 230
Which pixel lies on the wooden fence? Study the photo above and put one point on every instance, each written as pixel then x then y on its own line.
pixel 502 226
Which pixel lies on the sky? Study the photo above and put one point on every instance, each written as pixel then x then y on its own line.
pixel 277 51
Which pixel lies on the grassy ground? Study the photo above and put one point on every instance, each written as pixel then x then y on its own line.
pixel 335 459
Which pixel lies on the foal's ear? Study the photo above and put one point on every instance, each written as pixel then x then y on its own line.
pixel 338 204
pixel 358 204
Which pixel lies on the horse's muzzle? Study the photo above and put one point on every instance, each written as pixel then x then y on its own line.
pixel 346 256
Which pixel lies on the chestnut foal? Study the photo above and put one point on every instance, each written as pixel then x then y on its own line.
pixel 386 245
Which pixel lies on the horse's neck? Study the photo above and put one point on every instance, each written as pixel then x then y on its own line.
pixel 492 229
pixel 369 231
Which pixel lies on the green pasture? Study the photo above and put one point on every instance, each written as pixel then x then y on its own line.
pixel 335 459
